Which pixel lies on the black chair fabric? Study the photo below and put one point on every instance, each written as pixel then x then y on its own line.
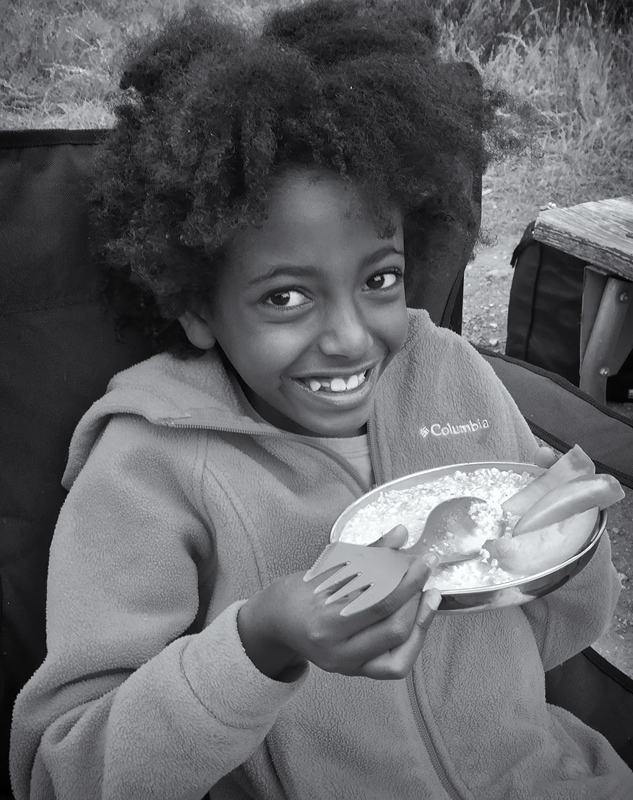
pixel 57 353
pixel 58 350
pixel 597 693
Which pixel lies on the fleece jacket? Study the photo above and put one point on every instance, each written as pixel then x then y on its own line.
pixel 182 506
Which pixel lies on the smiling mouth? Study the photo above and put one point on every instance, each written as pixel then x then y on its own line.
pixel 338 385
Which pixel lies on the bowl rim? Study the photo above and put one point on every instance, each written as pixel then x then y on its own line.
pixel 507 466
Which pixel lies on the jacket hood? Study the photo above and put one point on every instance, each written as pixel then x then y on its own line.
pixel 164 390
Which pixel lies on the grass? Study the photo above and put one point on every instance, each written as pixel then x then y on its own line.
pixel 59 61
pixel 574 69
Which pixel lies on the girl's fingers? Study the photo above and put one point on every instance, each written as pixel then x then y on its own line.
pixel 395 538
pixel 545 457
pixel 345 643
pixel 388 613
pixel 411 584
pixel 383 636
pixel 398 662
pixel 345 628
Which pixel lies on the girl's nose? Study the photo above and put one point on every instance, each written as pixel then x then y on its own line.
pixel 346 334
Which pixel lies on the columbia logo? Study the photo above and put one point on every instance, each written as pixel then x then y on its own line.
pixel 450 428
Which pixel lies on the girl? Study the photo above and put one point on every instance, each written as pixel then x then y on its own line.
pixel 259 200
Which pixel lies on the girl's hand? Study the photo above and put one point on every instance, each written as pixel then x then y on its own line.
pixel 545 457
pixel 286 621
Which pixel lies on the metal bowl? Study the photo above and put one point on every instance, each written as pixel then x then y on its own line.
pixel 483 598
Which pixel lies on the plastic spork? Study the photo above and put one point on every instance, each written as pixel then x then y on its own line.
pixel 379 568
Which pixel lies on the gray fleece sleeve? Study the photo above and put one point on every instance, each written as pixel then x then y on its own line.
pixel 170 730
pixel 576 615
pixel 126 705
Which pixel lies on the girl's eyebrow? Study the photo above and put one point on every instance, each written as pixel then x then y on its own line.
pixel 301 272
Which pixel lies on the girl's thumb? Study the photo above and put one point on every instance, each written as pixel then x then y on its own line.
pixel 395 538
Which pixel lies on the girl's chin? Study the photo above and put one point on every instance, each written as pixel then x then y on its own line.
pixel 327 429
pixel 309 425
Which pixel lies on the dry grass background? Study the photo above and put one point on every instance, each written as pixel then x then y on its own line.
pixel 59 60
pixel 572 60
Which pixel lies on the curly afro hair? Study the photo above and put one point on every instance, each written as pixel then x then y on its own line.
pixel 214 110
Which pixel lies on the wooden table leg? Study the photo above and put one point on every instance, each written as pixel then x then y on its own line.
pixel 606 330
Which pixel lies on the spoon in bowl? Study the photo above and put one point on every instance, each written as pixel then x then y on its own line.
pixel 456 519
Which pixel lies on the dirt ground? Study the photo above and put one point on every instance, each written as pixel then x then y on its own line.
pixel 486 293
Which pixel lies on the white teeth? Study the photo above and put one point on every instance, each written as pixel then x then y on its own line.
pixel 336 384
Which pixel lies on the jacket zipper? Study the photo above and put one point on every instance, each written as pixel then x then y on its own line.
pixel 421 724
pixel 425 735
pixel 349 468
pixel 373 458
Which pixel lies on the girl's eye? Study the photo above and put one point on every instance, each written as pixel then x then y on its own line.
pixel 384 280
pixel 289 298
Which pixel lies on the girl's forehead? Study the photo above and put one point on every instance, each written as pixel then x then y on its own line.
pixel 310 215
pixel 311 187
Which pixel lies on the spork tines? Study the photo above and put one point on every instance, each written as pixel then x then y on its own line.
pixel 376 569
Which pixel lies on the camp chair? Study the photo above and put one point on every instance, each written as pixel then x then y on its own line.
pixel 58 350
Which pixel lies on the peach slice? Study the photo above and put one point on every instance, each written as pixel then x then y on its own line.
pixel 557 526
pixel 545 548
pixel 568 499
pixel 571 465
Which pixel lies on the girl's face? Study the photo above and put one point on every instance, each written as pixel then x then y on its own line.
pixel 310 307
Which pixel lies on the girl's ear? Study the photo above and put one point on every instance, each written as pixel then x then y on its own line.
pixel 197 326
